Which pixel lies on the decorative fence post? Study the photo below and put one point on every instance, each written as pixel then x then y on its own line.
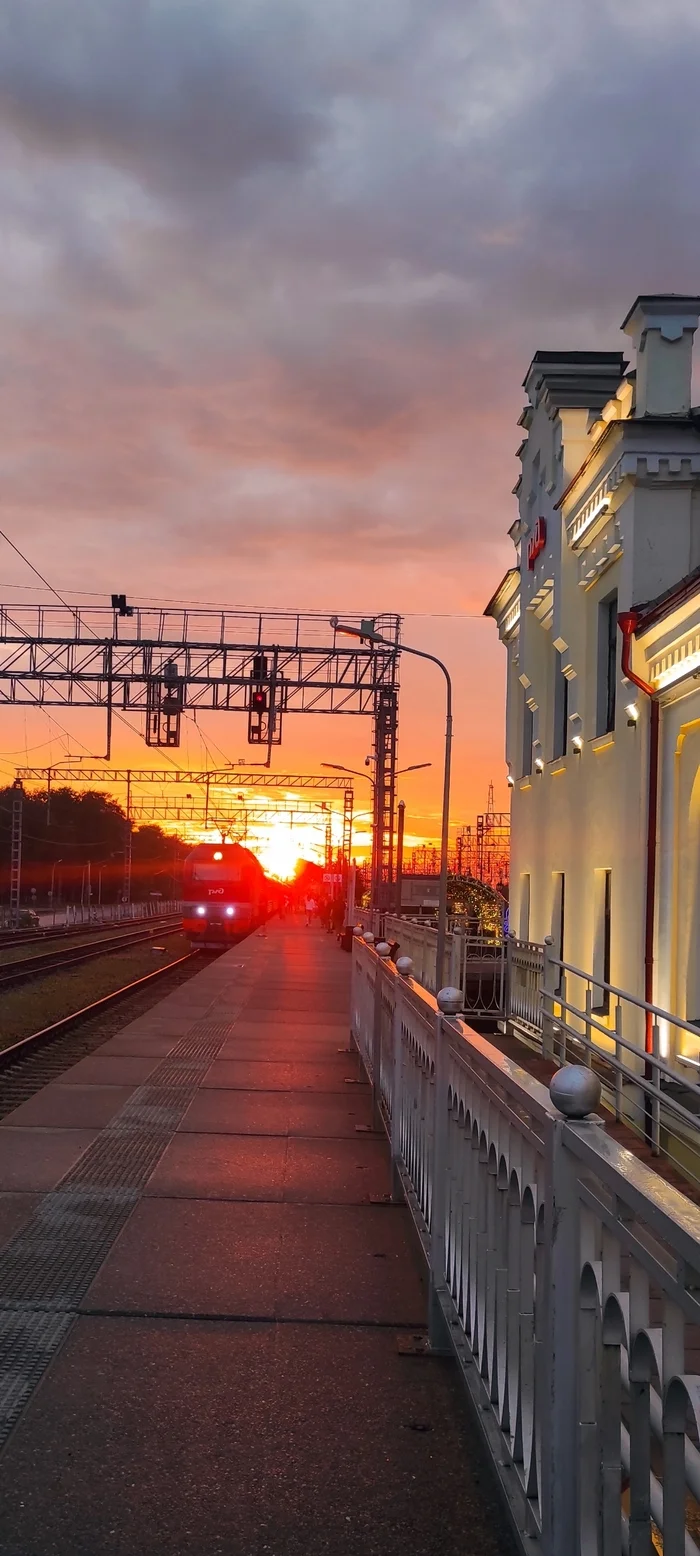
pixel 449 1002
pixel 549 988
pixel 404 968
pixel 575 1090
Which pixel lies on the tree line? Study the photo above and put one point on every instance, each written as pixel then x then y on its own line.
pixel 73 847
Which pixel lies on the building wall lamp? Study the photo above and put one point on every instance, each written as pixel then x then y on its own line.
pixel 577 744
pixel 539 765
pixel 632 711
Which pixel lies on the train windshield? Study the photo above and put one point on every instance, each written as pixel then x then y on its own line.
pixel 203 870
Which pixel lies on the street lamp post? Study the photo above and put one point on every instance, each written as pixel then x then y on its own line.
pixel 336 767
pixel 399 855
pixel 53 882
pixel 367 633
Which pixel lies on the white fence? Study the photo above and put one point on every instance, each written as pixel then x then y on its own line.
pixel 100 913
pixel 474 963
pixel 564 1276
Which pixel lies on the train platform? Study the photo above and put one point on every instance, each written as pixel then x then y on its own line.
pixel 208 1302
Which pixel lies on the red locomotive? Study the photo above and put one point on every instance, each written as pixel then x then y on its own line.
pixel 225 894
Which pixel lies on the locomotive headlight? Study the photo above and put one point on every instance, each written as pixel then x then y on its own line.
pixel 230 912
pixel 201 912
pixel 218 857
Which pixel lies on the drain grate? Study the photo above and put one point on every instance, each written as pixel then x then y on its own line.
pixel 48 1266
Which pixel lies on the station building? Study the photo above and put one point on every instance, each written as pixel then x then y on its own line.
pixel 600 618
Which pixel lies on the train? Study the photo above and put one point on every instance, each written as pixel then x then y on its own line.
pixel 225 893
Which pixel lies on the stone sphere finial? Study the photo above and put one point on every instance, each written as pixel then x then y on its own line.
pixel 450 1001
pixel 368 937
pixel 383 949
pixel 575 1091
pixel 404 966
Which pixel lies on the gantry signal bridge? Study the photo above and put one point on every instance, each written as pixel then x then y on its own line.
pixel 167 664
pixel 213 808
pixel 233 777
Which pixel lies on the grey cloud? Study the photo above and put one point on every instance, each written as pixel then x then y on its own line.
pixel 322 242
pixel 183 95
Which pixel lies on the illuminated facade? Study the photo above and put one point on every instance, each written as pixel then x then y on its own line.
pixel 605 592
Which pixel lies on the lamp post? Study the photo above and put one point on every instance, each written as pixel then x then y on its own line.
pixel 336 767
pixel 367 634
pixel 53 882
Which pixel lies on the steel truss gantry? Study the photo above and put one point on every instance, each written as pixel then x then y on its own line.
pixel 256 815
pixel 233 777
pixel 170 663
pixel 213 807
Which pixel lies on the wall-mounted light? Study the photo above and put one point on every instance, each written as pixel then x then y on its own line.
pixel 632 712
pixel 510 781
pixel 577 744
pixel 539 764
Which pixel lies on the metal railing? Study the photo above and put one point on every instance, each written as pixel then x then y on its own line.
pixel 100 913
pixel 572 1015
pixel 476 964
pixel 564 1277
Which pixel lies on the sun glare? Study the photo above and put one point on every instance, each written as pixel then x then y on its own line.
pixel 280 850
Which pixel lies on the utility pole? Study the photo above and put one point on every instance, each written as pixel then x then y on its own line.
pixel 399 854
pixel 126 885
pixel 16 852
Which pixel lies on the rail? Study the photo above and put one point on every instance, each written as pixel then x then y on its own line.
pixel 570 1014
pixel 564 1277
pixel 27 967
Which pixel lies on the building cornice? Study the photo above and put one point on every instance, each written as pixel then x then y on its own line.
pixel 504 605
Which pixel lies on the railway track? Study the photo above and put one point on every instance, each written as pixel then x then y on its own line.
pixel 35 1061
pixel 24 968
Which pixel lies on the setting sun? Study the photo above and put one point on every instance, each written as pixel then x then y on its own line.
pixel 281 848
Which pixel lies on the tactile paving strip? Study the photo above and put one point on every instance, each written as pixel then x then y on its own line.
pixel 48 1266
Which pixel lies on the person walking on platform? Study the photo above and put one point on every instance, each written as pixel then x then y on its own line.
pixel 310 906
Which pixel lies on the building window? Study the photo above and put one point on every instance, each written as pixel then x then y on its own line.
pixel 607 664
pixel 558 906
pixel 561 710
pixel 524 926
pixel 601 940
pixel 528 733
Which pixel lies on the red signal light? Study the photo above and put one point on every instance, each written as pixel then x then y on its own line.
pixel 258 700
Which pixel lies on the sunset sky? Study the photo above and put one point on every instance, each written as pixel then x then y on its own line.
pixel 271 275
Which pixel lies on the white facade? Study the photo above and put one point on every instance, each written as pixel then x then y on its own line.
pixel 609 522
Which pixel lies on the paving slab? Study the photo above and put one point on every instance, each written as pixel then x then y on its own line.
pixel 235 1440
pixel 328 1074
pixel 249 1167
pixel 109 1070
pixel 268 1044
pixel 336 1171
pixel 281 1016
pixel 279 1113
pixel 15 1211
pixel 139 1046
pixel 193 1256
pixel 70 1107
pixel 34 1160
pixel 349 1264
pixel 338 1263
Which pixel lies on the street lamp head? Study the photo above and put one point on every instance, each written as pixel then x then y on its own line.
pixel 365 632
